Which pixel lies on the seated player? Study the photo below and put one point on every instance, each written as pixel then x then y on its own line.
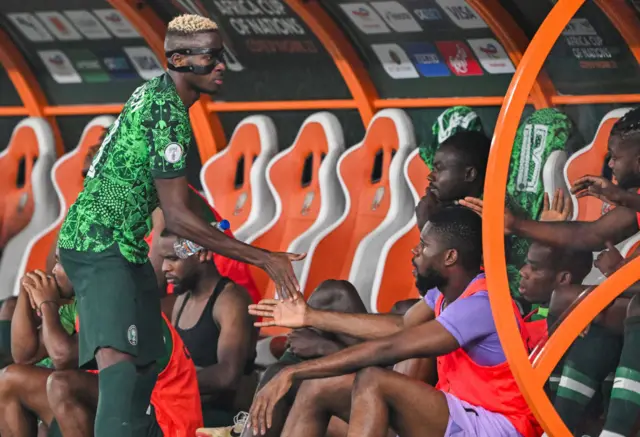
pixel 211 317
pixel 66 399
pixel 476 394
pixel 612 228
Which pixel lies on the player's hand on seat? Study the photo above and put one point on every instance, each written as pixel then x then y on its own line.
pixel 559 211
pixel 41 287
pixel 609 260
pixel 285 313
pixel 278 267
pixel 599 187
pixel 261 414
pixel 477 205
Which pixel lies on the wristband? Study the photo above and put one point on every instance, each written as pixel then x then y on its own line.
pixel 42 303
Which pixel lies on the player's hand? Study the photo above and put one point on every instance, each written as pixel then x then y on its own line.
pixel 205 256
pixel 609 260
pixel 559 211
pixel 477 205
pixel 598 187
pixel 285 313
pixel 306 343
pixel 41 287
pixel 278 267
pixel 261 414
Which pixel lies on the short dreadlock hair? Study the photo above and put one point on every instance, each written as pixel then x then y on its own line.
pixel 628 126
pixel 189 24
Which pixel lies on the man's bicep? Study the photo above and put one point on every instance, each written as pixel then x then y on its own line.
pixel 616 226
pixel 236 327
pixel 172 193
pixel 169 139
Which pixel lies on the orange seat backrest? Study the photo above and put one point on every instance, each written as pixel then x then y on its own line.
pixel 299 203
pixel 590 163
pixel 16 200
pixel 367 205
pixel 228 178
pixel 397 281
pixel 68 180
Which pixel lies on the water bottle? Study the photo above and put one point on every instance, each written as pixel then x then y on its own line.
pixel 185 248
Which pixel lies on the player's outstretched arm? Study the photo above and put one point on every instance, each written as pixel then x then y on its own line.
pixel 174 201
pixel 363 326
pixel 426 340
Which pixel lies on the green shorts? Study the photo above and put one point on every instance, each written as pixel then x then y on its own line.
pixel 148 428
pixel 118 305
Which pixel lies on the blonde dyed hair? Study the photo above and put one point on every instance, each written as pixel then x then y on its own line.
pixel 189 24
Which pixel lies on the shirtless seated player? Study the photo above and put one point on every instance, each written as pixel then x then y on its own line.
pixel 454 323
pixel 66 399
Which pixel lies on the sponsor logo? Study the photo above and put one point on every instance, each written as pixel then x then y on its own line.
pixel 117 65
pixel 395 61
pixel 426 59
pixel 87 24
pixel 459 58
pixel 116 23
pixel 59 26
pixel 491 55
pixel 88 66
pixel 462 14
pixel 396 16
pixel 579 26
pixel 30 27
pixel 132 335
pixel 59 66
pixel 428 14
pixel 365 18
pixel 144 61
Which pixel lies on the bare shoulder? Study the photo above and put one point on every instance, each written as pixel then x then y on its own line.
pixel 233 298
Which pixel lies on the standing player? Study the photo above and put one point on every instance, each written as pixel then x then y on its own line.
pixel 141 165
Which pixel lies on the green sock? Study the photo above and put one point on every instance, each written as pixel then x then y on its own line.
pixel 584 372
pixel 123 400
pixel 624 406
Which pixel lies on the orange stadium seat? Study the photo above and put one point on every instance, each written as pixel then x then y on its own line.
pixel 67 181
pixel 590 160
pixel 364 173
pixel 234 180
pixel 304 182
pixel 394 280
pixel 27 204
pixel 16 166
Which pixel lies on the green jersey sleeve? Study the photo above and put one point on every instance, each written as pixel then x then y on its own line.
pixel 169 137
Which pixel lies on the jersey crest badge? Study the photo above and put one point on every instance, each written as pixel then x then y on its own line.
pixel 173 153
pixel 132 335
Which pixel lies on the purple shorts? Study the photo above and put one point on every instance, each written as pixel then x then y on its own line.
pixel 466 420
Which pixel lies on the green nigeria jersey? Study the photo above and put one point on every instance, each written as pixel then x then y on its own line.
pixel 149 140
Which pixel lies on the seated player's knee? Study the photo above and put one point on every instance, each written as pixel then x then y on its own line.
pixel 633 309
pixel 9 379
pixel 59 387
pixel 369 377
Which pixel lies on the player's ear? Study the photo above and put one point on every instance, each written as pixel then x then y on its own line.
pixel 178 60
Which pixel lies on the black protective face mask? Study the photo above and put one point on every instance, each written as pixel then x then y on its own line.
pixel 200 70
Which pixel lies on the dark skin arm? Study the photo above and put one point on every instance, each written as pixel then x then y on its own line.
pixel 362 326
pixel 26 339
pixel 426 340
pixel 236 342
pixel 615 226
pixel 60 346
pixel 179 219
